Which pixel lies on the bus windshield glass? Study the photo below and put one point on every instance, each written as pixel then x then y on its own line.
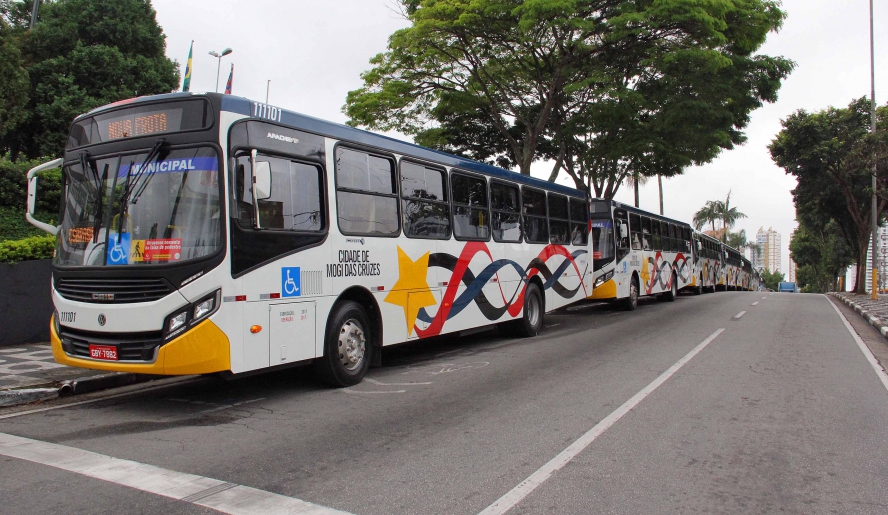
pixel 129 210
pixel 602 240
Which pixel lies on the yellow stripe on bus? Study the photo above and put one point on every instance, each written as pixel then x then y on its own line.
pixel 607 290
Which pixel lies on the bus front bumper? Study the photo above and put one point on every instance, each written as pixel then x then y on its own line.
pixel 202 350
pixel 608 290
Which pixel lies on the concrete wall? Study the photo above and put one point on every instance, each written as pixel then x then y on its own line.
pixel 25 302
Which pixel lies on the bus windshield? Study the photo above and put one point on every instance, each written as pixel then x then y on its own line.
pixel 171 212
pixel 602 241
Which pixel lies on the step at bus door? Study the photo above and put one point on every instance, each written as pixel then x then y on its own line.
pixel 292 335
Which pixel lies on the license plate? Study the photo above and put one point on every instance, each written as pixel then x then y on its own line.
pixel 103 352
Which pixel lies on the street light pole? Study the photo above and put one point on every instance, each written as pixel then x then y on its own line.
pixel 875 208
pixel 219 67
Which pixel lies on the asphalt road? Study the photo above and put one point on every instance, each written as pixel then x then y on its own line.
pixel 778 411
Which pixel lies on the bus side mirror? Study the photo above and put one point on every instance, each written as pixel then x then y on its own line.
pixel 624 231
pixel 699 246
pixel 262 180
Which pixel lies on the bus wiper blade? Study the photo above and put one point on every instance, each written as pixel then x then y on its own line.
pixel 148 179
pixel 86 164
pixel 130 183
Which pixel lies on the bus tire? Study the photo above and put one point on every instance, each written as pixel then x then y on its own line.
pixel 631 302
pixel 670 295
pixel 534 310
pixel 698 290
pixel 347 346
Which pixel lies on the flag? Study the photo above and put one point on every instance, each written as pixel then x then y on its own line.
pixel 230 78
pixel 186 84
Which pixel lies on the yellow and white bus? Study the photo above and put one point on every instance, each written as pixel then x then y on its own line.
pixel 637 253
pixel 708 262
pixel 209 233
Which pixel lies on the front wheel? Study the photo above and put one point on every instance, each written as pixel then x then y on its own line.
pixel 532 320
pixel 347 346
pixel 631 302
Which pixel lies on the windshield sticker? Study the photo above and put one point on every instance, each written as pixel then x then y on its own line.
pixel 167 249
pixel 118 249
pixel 172 166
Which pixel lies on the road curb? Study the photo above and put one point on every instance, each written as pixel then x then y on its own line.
pixel 873 320
pixel 89 384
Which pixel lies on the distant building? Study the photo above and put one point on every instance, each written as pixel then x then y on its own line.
pixel 792 271
pixel 769 253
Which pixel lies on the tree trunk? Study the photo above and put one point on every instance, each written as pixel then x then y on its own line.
pixel 862 279
pixel 660 182
pixel 636 189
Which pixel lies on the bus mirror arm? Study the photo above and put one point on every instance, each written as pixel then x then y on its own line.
pixel 32 195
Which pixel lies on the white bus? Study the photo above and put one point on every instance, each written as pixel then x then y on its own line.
pixel 209 233
pixel 708 262
pixel 735 276
pixel 636 253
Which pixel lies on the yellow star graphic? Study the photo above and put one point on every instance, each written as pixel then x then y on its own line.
pixel 412 290
pixel 645 272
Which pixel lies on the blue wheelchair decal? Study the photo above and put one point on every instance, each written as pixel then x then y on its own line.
pixel 290 282
pixel 118 251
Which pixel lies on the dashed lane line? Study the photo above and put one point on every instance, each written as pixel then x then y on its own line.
pixel 754 303
pixel 863 348
pixel 739 315
pixel 517 494
pixel 203 491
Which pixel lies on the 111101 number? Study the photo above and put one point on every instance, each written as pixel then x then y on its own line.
pixel 266 112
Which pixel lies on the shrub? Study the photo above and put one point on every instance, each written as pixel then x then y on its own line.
pixel 14 185
pixel 35 247
pixel 14 226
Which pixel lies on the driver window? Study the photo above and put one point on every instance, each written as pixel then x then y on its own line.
pixel 295 201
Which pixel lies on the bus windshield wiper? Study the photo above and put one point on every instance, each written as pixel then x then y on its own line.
pixel 131 182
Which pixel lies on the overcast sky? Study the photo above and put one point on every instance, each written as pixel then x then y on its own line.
pixel 314 52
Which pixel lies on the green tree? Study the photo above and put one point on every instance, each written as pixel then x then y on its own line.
pixel 729 216
pixel 514 81
pixel 14 84
pixel 772 279
pixel 83 54
pixel 832 153
pixel 708 214
pixel 821 255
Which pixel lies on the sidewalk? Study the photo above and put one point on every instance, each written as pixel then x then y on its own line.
pixel 29 373
pixel 874 311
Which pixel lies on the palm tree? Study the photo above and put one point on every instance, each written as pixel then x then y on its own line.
pixel 728 215
pixel 635 180
pixel 708 214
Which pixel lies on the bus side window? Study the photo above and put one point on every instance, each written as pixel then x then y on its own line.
pixel 658 236
pixel 579 222
pixel 367 202
pixel 295 201
pixel 506 208
pixel 646 233
pixel 558 219
pixel 635 231
pixel 533 205
pixel 470 217
pixel 425 204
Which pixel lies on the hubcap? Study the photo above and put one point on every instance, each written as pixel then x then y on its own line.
pixel 533 310
pixel 351 344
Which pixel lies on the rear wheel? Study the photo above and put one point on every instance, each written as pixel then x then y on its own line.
pixel 532 320
pixel 347 346
pixel 631 302
pixel 670 295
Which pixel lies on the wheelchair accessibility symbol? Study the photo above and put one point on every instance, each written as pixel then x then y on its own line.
pixel 290 282
pixel 118 249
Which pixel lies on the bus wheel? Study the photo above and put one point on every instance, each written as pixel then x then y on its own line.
pixel 698 290
pixel 532 320
pixel 631 302
pixel 347 346
pixel 670 295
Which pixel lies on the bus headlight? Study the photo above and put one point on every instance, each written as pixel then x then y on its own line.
pixel 206 306
pixel 177 321
pixel 603 279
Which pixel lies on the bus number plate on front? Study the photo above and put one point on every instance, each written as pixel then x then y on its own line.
pixel 103 352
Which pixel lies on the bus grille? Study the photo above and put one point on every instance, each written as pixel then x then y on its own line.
pixel 130 346
pixel 113 291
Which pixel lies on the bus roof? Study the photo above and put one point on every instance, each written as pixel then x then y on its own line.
pixel 241 105
pixel 636 210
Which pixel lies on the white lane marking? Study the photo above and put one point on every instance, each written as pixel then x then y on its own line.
pixel 754 303
pixel 380 383
pixel 863 348
pixel 764 298
pixel 204 491
pixel 517 494
pixel 739 315
pixel 173 381
pixel 372 392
